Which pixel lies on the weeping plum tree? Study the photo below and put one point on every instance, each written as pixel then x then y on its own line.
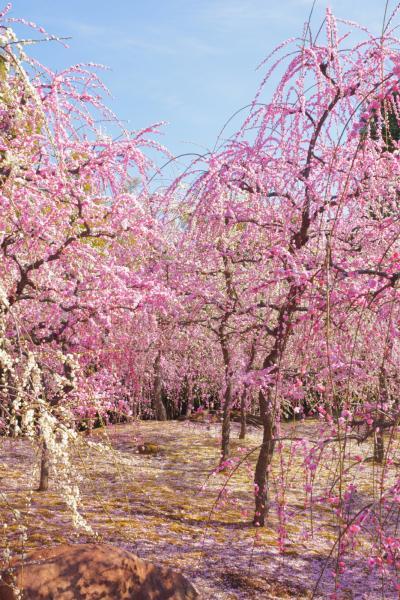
pixel 324 167
pixel 220 262
pixel 302 186
pixel 70 267
pixel 328 178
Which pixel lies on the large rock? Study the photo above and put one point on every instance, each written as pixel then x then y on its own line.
pixel 92 572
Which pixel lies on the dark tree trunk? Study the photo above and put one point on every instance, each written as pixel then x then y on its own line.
pixel 282 333
pixel 284 325
pixel 44 469
pixel 227 400
pixel 243 424
pixel 189 391
pixel 226 353
pixel 261 477
pixel 379 447
pixel 159 408
pixel 134 408
pixel 244 396
pixel 226 423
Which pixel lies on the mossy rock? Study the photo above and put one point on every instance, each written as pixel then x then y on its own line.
pixel 149 449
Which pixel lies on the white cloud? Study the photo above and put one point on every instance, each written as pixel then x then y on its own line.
pixel 162 40
pixel 233 13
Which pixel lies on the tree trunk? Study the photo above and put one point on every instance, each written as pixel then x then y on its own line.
pixel 261 476
pixel 134 408
pixel 159 408
pixel 243 428
pixel 282 332
pixel 226 353
pixel 379 447
pixel 227 401
pixel 226 423
pixel 44 469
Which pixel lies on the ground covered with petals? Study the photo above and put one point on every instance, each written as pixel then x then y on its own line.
pixel 168 504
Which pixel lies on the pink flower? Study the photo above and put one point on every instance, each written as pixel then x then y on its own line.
pixel 353 529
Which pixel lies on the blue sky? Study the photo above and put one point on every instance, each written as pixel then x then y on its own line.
pixel 189 62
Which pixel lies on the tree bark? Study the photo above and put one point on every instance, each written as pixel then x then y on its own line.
pixel 226 423
pixel 227 401
pixel 282 332
pixel 44 469
pixel 261 477
pixel 379 447
pixel 226 353
pixel 243 424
